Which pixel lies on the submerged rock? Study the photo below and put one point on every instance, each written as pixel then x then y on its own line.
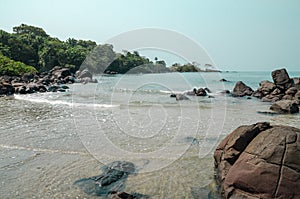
pixel 259 161
pixel 111 182
pixel 223 80
pixel 191 140
pixel 124 195
pixel 181 97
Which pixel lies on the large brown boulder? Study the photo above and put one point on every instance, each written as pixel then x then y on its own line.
pixel 241 90
pixel 281 78
pixel 259 161
pixel 285 106
pixel 265 89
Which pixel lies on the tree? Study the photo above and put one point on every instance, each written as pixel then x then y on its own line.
pixel 26 29
pixel 13 68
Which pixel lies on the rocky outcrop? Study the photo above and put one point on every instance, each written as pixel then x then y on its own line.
pixel 198 92
pixel 259 161
pixel 52 81
pixel 283 88
pixel 285 106
pixel 195 92
pixel 241 90
pixel 85 76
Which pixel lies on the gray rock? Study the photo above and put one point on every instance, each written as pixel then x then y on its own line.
pixel 181 97
pixel 85 73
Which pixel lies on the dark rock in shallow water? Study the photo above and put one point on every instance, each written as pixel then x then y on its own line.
pixel 225 92
pixel 241 90
pixel 191 140
pixel 285 106
pixel 53 88
pixel 112 180
pixel 181 97
pixel 6 89
pixel 223 80
pixel 124 195
pixel 200 92
pixel 259 161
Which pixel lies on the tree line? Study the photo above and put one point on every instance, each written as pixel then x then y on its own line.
pixel 32 49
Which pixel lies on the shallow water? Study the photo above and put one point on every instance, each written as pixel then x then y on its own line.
pixel 49 141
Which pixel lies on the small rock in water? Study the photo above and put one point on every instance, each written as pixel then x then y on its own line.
pixel 181 97
pixel 223 80
pixel 191 140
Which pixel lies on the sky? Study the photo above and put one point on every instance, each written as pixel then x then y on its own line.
pixel 242 35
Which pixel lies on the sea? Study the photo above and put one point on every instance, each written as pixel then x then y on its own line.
pixel 49 141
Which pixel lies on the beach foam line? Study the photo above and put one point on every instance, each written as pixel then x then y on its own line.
pixel 42 150
pixel 59 102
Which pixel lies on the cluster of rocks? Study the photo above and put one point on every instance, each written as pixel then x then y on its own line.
pixel 84 76
pixel 52 81
pixel 282 88
pixel 259 161
pixel 284 91
pixel 194 92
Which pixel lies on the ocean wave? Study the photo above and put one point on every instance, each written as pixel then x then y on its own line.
pixel 60 102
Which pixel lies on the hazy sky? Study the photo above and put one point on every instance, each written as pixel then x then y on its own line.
pixel 237 34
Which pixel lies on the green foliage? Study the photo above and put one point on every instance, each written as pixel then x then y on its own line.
pixel 14 68
pixel 185 68
pixel 134 63
pixel 33 46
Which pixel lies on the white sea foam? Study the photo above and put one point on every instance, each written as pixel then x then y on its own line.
pixel 60 102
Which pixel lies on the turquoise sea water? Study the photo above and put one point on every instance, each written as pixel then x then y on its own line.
pixel 50 140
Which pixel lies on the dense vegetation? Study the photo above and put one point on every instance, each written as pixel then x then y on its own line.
pixel 34 47
pixel 134 63
pixel 14 68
